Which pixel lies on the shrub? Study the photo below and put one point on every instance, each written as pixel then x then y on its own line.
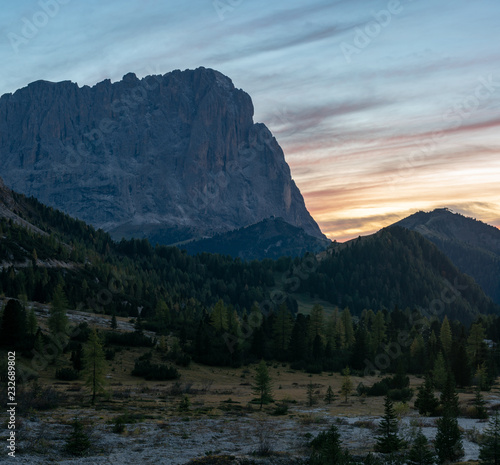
pixel 153 371
pixel 66 374
pixel 78 442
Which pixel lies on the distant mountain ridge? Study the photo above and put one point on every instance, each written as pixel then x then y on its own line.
pixel 473 246
pixel 270 238
pixel 169 158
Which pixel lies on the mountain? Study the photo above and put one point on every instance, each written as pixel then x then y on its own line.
pixel 473 246
pixel 170 158
pixel 270 238
pixel 395 267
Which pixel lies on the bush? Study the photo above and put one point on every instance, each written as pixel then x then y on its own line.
pixel 79 442
pixel 38 398
pixel 281 409
pixel 66 374
pixel 400 395
pixel 154 371
pixel 119 426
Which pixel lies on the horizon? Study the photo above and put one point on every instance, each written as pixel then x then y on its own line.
pixel 395 122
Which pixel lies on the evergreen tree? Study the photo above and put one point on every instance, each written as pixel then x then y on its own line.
pixel 32 323
pixel 489 453
pixel 282 330
pixel 460 365
pixel 348 327
pixel 311 398
pixel 316 322
pixel 449 397
pixel 475 344
pixel 439 373
pixel 58 320
pixel 218 318
pixel 327 449
pixel 448 443
pixel 378 329
pixel 426 401
pixel 78 442
pixel 113 323
pixel 94 364
pixel 330 396
pixel 479 405
pixel 420 454
pixel 13 325
pixel 388 441
pixel 263 385
pixel 346 387
pixel 445 336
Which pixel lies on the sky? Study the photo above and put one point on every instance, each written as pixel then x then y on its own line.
pixel 383 108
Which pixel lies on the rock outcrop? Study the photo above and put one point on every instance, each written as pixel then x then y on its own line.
pixel 169 157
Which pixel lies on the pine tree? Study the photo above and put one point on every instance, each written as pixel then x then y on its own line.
pixel 218 318
pixel 378 331
pixel 78 443
pixel 282 330
pixel 426 401
pixel 439 372
pixel 349 329
pixel 316 322
pixel 448 443
pixel 388 441
pixel 113 323
pixel 32 324
pixel 94 363
pixel 263 385
pixel 420 454
pixel 479 405
pixel 489 453
pixel 13 325
pixel 330 396
pixel 327 449
pixel 58 320
pixel 346 387
pixel 445 336
pixel 311 398
pixel 449 397
pixel 475 344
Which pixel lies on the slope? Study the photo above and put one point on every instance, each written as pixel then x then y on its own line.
pixel 473 246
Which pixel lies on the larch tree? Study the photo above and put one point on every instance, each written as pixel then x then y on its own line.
pixel 348 326
pixel 475 344
pixel 316 322
pixel 263 385
pixel 445 336
pixel 282 329
pixel 58 319
pixel 346 387
pixel 218 318
pixel 94 365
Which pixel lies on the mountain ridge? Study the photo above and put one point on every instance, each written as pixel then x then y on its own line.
pixel 472 245
pixel 170 158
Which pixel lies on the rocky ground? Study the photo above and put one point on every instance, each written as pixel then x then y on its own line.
pixel 176 441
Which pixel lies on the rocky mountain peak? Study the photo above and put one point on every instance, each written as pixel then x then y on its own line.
pixel 169 157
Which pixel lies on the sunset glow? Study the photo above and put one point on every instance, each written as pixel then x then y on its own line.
pixel 379 115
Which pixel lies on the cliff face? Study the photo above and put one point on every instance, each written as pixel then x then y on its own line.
pixel 166 157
